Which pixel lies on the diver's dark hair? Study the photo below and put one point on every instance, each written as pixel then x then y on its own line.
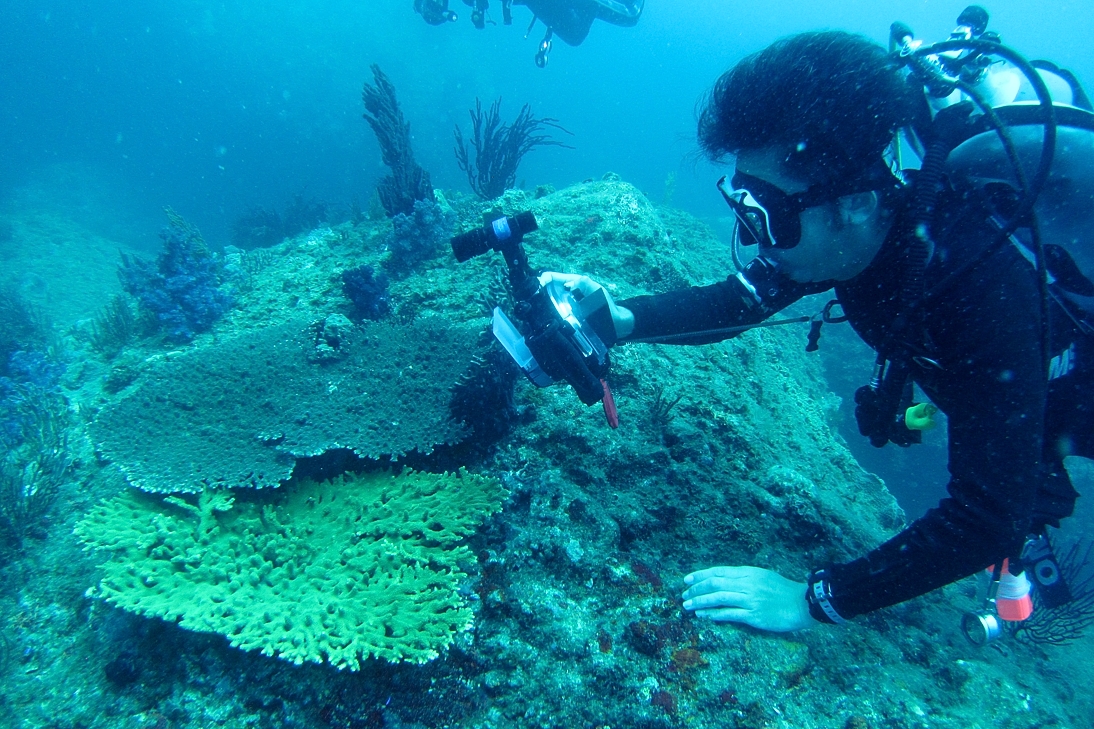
pixel 831 99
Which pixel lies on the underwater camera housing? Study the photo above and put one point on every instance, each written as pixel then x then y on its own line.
pixel 557 340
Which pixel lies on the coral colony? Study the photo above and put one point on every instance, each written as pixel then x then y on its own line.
pixel 499 147
pixel 368 293
pixel 419 225
pixel 182 289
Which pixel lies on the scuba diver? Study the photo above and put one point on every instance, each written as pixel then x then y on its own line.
pixel 570 20
pixel 966 277
pixel 435 12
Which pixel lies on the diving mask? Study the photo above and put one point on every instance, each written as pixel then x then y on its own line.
pixel 769 217
pixel 765 214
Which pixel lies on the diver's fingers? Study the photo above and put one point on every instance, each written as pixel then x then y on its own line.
pixel 716 584
pixel 567 279
pixel 727 615
pixel 719 599
pixel 583 285
pixel 572 281
pixel 720 571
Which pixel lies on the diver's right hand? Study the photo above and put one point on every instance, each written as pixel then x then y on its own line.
pixel 582 286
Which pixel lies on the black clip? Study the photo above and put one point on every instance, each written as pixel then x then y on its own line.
pixel 814 334
pixel 825 317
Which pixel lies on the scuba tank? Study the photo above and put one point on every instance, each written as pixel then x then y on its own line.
pixel 1028 145
pixel 1064 208
pixel 1021 136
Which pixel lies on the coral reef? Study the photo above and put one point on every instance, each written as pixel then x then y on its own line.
pixel 418 236
pixel 23 328
pixel 259 227
pixel 240 412
pixel 34 367
pixel 183 288
pixel 499 147
pixel 369 294
pixel 37 459
pixel 725 454
pixel 408 182
pixel 113 328
pixel 419 223
pixel 302 214
pixel 367 565
pixel 484 399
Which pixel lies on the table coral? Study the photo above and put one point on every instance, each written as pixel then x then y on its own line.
pixel 365 565
pixel 241 411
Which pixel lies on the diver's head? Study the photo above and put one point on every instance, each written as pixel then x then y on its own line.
pixel 809 120
pixel 832 99
pixel 813 232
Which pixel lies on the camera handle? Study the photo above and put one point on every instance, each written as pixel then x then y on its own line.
pixel 558 343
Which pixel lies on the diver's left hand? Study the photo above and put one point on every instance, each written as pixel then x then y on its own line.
pixel 750 595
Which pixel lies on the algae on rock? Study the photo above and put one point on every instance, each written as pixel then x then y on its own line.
pixel 365 565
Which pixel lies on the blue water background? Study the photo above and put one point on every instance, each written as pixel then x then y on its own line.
pixel 212 107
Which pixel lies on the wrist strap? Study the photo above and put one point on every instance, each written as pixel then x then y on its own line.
pixel 819 597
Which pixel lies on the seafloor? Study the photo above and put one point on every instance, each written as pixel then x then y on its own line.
pixel 726 454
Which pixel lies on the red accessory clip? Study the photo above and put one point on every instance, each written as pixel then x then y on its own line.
pixel 610 410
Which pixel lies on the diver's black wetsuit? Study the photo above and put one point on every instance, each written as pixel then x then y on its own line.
pixel 1009 429
pixel 572 19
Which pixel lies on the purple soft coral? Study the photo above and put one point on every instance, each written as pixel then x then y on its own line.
pixel 182 289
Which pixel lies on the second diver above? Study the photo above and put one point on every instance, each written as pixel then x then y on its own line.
pixel 570 20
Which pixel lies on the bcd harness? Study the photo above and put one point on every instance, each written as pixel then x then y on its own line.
pixel 979 133
pixel 956 76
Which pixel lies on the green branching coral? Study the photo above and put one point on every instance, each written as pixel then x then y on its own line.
pixel 366 565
